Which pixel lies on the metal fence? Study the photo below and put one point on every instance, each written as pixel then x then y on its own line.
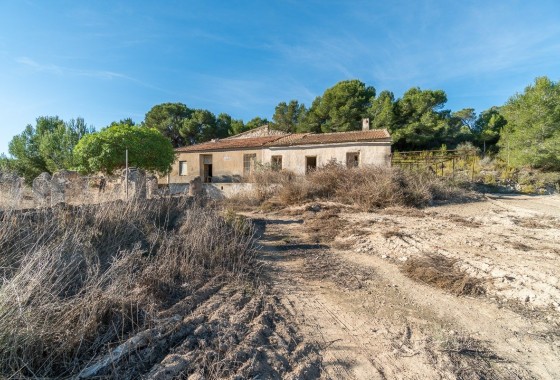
pixel 440 162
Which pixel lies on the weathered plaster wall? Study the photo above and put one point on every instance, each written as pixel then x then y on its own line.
pixel 293 158
pixel 226 166
pixel 213 190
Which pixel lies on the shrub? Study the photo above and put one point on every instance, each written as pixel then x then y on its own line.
pixel 76 279
pixel 367 187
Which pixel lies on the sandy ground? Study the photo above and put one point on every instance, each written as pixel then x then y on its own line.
pixel 339 273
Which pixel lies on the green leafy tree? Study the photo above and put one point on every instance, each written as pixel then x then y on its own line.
pixel 255 123
pixel 420 122
pixel 382 111
pixel 288 117
pixel 340 108
pixel 104 151
pixel 236 127
pixel 47 147
pixel 6 163
pixel 199 127
pixel 226 125
pixel 488 126
pixel 465 118
pixel 532 134
pixel 459 127
pixel 168 118
pixel 127 121
pixel 57 146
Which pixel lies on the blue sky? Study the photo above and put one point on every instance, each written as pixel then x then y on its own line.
pixel 108 60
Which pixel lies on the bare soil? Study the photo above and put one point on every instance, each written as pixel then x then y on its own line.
pixel 222 331
pixel 465 291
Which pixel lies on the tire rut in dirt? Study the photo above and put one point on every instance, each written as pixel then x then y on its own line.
pixel 240 333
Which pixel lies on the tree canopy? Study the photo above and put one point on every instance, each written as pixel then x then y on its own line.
pixel 418 119
pixel 340 108
pixel 488 126
pixel 47 146
pixel 168 118
pixel 532 134
pixel 104 151
pixel 186 126
pixel 288 117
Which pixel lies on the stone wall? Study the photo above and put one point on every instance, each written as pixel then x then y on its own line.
pixel 72 188
pixel 11 190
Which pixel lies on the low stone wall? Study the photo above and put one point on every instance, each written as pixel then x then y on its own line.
pixel 11 190
pixel 72 188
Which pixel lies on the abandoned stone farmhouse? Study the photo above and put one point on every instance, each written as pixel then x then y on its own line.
pixel 234 158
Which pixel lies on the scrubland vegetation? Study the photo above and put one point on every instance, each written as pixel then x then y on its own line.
pixel 78 280
pixel 368 188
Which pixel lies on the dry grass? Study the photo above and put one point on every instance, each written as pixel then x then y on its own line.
pixel 387 234
pixel 465 222
pixel 369 188
pixel 439 271
pixel 78 280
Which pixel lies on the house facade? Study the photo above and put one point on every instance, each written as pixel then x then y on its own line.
pixel 235 158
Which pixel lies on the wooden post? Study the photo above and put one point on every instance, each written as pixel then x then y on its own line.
pixel 453 166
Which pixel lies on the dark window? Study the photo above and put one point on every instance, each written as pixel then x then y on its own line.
pixel 352 159
pixel 310 163
pixel 276 163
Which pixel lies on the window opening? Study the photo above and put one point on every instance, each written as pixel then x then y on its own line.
pixel 182 167
pixel 310 163
pixel 249 163
pixel 276 163
pixel 352 159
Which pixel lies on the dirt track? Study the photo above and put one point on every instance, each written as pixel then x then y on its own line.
pixel 340 274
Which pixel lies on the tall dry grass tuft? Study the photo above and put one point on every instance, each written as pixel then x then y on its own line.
pixel 79 279
pixel 367 187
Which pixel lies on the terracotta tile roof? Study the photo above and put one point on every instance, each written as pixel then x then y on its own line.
pixel 251 142
pixel 331 138
pixel 289 140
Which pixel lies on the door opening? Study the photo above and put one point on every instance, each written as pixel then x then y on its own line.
pixel 207 173
pixel 206 168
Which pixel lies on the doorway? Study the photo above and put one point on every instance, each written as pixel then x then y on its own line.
pixel 206 161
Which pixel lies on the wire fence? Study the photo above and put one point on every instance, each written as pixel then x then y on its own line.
pixel 446 163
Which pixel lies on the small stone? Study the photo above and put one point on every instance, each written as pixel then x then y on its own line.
pixel 200 330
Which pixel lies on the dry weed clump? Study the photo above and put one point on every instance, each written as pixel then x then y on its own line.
pixel 367 187
pixel 439 271
pixel 78 280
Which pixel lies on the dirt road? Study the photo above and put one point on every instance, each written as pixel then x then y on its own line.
pixel 340 273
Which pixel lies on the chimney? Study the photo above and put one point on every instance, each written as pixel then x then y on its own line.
pixel 365 124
